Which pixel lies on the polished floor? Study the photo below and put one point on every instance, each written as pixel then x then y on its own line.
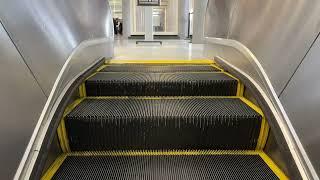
pixel 170 49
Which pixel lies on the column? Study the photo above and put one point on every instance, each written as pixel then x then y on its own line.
pixel 148 23
pixel 198 21
pixel 126 26
pixel 183 15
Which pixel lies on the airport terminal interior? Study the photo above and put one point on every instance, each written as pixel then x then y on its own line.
pixel 159 89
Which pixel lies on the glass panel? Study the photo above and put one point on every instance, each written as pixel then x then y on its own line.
pixel 116 7
pixel 148 2
pixel 165 17
pixel 159 19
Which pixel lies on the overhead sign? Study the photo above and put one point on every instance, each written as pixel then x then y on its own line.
pixel 149 2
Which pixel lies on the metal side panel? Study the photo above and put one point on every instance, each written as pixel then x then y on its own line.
pixel 279 33
pixel 301 99
pixel 238 59
pixel 47 32
pixel 86 55
pixel 21 100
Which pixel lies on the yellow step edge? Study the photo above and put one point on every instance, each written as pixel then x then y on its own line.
pixel 161 61
pixel 161 97
pixel 164 153
pixel 264 129
pixel 82 87
pixel 54 167
pixel 166 64
pixel 61 131
pixel 276 170
pixel 82 90
pixel 209 65
pixel 58 162
pixel 217 67
pixel 185 72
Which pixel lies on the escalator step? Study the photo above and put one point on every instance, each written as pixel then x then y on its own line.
pixel 210 166
pixel 161 84
pixel 158 68
pixel 162 123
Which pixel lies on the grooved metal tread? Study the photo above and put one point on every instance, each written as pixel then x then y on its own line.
pixel 138 107
pixel 224 166
pixel 162 123
pixel 160 77
pixel 161 84
pixel 158 68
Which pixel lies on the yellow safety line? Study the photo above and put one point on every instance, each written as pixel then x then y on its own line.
pixel 184 72
pixel 61 131
pixel 217 67
pixel 102 67
pixel 82 90
pixel 163 153
pixel 93 74
pixel 169 61
pixel 209 65
pixel 119 65
pixel 58 162
pixel 241 89
pixel 61 136
pixel 82 87
pixel 54 167
pixel 264 129
pixel 240 86
pixel 266 134
pixel 277 171
pixel 161 97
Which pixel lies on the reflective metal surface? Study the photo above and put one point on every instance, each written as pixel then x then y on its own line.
pixel 57 40
pixel 46 32
pixel 279 33
pixel 238 57
pixel 83 57
pixel 21 101
pixel 301 99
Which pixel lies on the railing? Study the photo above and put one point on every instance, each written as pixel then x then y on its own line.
pixel 235 56
pixel 86 55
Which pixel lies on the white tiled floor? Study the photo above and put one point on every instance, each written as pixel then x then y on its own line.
pixel 171 50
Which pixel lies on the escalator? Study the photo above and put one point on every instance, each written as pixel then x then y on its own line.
pixel 160 120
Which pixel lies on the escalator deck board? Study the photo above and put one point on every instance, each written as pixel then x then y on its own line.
pixel 162 123
pixel 159 68
pixel 161 84
pixel 223 166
